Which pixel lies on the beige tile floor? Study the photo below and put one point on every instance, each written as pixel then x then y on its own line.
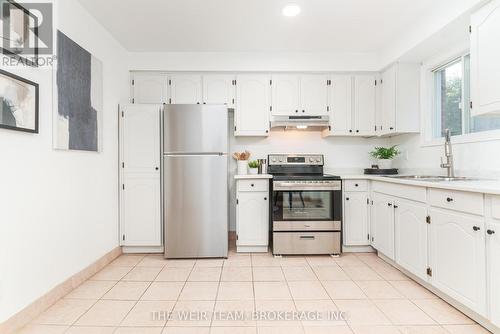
pixel 376 298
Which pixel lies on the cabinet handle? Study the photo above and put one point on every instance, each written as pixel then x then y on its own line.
pixel 490 232
pixel 476 228
pixel 395 206
pixel 449 199
pixel 389 204
pixel 306 237
pixel 391 128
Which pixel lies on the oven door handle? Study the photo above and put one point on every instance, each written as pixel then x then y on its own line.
pixel 294 187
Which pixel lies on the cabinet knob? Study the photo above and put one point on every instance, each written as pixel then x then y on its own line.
pixel 350 131
pixel 389 204
pixel 265 198
pixel 449 200
pixel 357 131
pixel 296 111
pixel 303 111
pixel 395 206
pixel 347 198
pixel 391 128
pixel 476 228
pixel 157 168
pixel 490 232
pixel 253 185
pixel 356 185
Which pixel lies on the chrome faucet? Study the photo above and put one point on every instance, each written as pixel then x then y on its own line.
pixel 449 155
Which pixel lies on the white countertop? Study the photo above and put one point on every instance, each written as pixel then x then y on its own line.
pixel 480 186
pixel 253 177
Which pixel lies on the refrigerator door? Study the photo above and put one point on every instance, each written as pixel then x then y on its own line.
pixel 195 129
pixel 196 206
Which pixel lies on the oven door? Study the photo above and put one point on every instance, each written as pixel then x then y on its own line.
pixel 297 207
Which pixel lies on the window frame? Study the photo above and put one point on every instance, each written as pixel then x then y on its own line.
pixel 429 108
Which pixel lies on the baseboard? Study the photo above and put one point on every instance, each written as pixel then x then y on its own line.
pixel 30 312
pixel 358 249
pixel 142 250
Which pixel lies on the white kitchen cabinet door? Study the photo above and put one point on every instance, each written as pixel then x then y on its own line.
pixel 341 116
pixel 286 95
pixel 493 270
pixel 314 94
pixel 253 104
pixel 383 224
pixel 219 89
pixel 364 105
pixel 141 211
pixel 185 89
pixel 252 217
pixel 485 55
pixel 149 88
pixel 411 236
pixel 458 257
pixel 388 95
pixel 140 176
pixel 356 219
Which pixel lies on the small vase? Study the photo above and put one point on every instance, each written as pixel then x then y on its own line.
pixel 242 167
pixel 253 171
pixel 385 163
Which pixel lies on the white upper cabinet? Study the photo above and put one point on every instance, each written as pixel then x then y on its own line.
pixel 388 81
pixel 485 55
pixel 314 94
pixel 457 257
pixel 364 104
pixel 400 100
pixel 253 104
pixel 219 89
pixel 148 88
pixel 286 95
pixel 185 89
pixel 411 236
pixel 341 105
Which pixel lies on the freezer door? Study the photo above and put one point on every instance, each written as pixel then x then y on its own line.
pixel 196 206
pixel 195 129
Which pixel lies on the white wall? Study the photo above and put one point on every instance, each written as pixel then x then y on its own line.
pixel 251 61
pixel 59 209
pixel 471 159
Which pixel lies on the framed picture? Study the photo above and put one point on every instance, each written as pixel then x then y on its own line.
pixel 19 103
pixel 18 23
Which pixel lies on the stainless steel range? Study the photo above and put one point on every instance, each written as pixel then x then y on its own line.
pixel 306 206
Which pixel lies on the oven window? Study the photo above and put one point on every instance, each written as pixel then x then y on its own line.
pixel 303 205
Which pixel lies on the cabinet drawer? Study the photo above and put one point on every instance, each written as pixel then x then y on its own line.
pixel 306 243
pixel 253 185
pixel 457 200
pixel 414 193
pixel 356 185
pixel 307 226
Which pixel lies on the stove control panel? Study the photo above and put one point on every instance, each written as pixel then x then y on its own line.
pixel 296 159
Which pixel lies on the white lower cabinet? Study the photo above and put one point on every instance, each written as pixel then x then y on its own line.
pixel 356 231
pixel 383 224
pixel 411 236
pixel 493 270
pixel 252 215
pixel 457 257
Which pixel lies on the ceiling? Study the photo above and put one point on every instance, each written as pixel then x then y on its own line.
pixel 340 26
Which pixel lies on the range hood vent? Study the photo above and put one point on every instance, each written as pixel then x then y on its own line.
pixel 301 122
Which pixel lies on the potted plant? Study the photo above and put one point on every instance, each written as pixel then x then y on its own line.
pixel 384 156
pixel 253 167
pixel 242 162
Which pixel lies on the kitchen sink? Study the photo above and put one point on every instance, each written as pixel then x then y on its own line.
pixel 432 178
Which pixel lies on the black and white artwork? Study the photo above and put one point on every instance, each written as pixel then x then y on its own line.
pixel 79 97
pixel 19 103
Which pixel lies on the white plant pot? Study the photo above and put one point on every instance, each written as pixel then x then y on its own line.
pixel 242 167
pixel 385 163
pixel 253 171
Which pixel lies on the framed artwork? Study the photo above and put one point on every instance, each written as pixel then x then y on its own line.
pixel 79 96
pixel 18 23
pixel 19 103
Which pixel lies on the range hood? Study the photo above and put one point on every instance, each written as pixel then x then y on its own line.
pixel 301 122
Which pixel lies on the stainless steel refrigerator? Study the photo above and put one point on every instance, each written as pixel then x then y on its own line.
pixel 195 181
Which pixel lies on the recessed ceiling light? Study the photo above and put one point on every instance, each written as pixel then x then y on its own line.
pixel 291 10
